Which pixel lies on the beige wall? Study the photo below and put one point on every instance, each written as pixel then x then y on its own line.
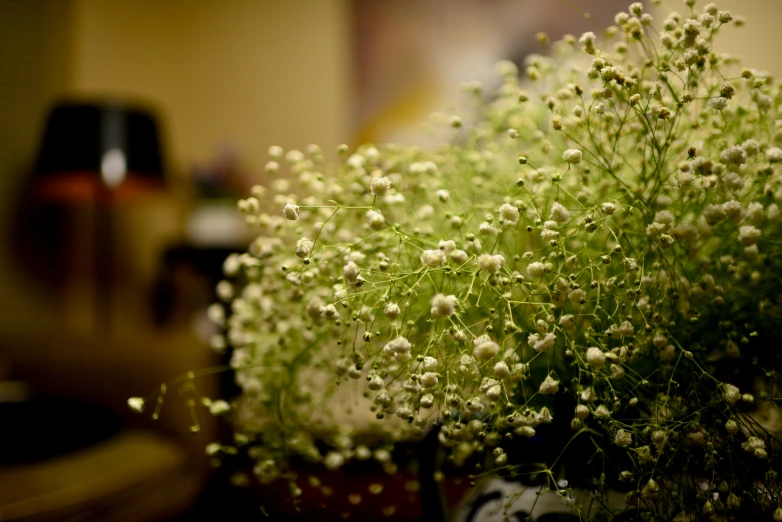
pixel 246 72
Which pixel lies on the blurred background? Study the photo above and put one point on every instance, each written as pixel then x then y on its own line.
pixel 128 130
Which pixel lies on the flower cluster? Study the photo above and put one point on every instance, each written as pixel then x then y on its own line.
pixel 595 257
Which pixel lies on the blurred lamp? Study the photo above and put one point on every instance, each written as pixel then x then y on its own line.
pixel 99 150
pixel 96 155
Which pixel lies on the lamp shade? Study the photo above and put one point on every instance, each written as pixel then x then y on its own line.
pixel 90 149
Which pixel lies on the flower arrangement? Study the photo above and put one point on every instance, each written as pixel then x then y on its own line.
pixel 596 249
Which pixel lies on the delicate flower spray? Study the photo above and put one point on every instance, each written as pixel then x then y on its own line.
pixel 611 267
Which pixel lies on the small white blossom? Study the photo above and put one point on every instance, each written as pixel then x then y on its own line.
pixel 379 186
pixel 304 247
pixel 541 344
pixel 443 306
pixel 509 214
pixel 734 155
pixel 748 235
pixel 491 262
pixel 567 321
pixel 601 412
pixel 608 208
pixel 536 269
pixel 587 42
pixel 399 345
pixel 582 412
pixel 333 460
pixel 429 380
pixel 774 154
pixel 433 258
pixel 595 357
pixel 731 394
pixel 392 310
pixel 572 156
pixel 291 211
pixel 756 446
pixel 351 272
pixel 376 220
pixel 376 383
pixel 136 404
pixel 559 213
pixel 459 257
pixel 427 401
pixel 549 386
pixel 501 370
pixel 430 363
pixel 494 393
pixel 446 246
pixel 623 438
pixel 219 407
pixel 484 348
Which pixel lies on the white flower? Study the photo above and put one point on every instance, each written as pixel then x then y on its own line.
pixel 525 431
pixel 491 262
pixel 748 235
pixel 443 306
pixel 430 363
pixel 433 258
pixel 351 272
pixel 494 393
pixel 291 211
pixel 608 208
pixel 734 155
pixel 572 156
pixel 559 213
pixel 392 310
pixel 501 370
pixel 376 383
pixel 549 386
pixel 304 247
pixel 376 220
pixel 733 181
pixel 219 407
pixel 459 256
pixel 446 246
pixel 541 344
pixel 333 460
pixel 429 380
pixel 587 41
pixel 484 348
pixel 719 103
pixel 508 213
pixel 595 357
pixel 443 195
pixel 664 216
pixel 731 394
pixel 427 401
pixel 379 186
pixel 399 345
pixel 136 404
pixel 577 296
pixel 582 412
pixel 536 269
pixel 623 438
pixel 774 154
pixel 732 210
pixel 567 321
pixel 755 446
pixel 601 412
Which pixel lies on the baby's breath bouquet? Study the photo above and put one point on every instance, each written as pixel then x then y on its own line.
pixel 596 248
